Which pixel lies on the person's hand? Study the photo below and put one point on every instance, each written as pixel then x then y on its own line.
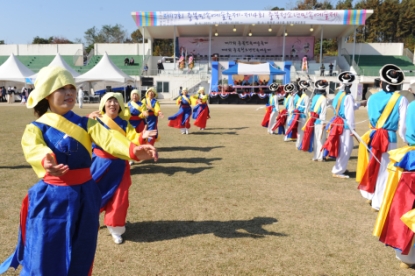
pixel 363 103
pixel 146 152
pixel 145 113
pixel 149 133
pixel 94 115
pixel 52 168
pixel 161 116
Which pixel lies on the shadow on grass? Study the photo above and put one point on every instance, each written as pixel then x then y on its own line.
pixel 170 170
pixel 16 167
pixel 214 133
pixel 194 160
pixel 204 149
pixel 228 128
pixel 152 231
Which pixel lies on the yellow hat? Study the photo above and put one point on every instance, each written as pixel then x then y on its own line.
pixel 153 90
pixel 135 91
pixel 109 95
pixel 49 79
pixel 201 88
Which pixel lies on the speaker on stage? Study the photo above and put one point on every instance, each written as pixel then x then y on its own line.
pixel 147 81
pixel 108 89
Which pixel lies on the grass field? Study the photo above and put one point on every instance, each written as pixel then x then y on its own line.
pixel 230 200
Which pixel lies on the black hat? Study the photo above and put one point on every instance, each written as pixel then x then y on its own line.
pixel 274 86
pixel 391 74
pixel 321 84
pixel 289 87
pixel 347 78
pixel 304 84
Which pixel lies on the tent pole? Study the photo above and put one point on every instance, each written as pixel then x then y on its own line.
pixel 321 45
pixel 283 45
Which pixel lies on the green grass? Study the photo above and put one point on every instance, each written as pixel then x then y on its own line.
pixel 230 200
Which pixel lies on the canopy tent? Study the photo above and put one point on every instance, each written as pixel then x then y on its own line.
pixel 58 61
pixel 253 69
pixel 105 70
pixel 13 70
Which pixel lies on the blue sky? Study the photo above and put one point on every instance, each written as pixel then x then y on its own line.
pixel 22 20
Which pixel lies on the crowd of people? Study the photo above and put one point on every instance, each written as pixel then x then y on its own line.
pixel 9 94
pixel 384 173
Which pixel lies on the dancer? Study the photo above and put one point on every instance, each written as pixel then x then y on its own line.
pixel 201 111
pixel 182 118
pixel 283 114
pixel 387 112
pixel 395 222
pixel 300 109
pixel 112 174
pixel 272 110
pixel 59 217
pixel 339 143
pixel 153 108
pixel 289 103
pixel 314 134
pixel 137 112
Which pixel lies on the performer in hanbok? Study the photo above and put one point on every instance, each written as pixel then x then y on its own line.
pixel 314 134
pixel 182 118
pixel 153 109
pixel 201 111
pixel 300 110
pixel 283 114
pixel 339 143
pixel 289 104
pixel 396 219
pixel 137 112
pixel 387 112
pixel 271 110
pixel 59 218
pixel 112 174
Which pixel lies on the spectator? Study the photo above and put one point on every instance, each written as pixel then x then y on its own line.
pixel 131 61
pixel 180 90
pixel 80 96
pixel 126 61
pixel 322 68
pixel 331 69
pixel 145 69
pixel 3 94
pixel 160 67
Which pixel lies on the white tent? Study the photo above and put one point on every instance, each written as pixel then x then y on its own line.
pixel 105 70
pixel 13 70
pixel 58 61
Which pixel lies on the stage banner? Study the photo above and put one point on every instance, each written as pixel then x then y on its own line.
pixel 298 17
pixel 242 46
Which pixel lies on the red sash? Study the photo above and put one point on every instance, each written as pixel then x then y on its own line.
pixel 104 154
pixel 294 124
pixel 309 131
pixel 281 119
pixel 379 143
pixel 395 233
pixel 265 121
pixel 71 178
pixel 333 140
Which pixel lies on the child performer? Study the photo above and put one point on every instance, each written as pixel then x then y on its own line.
pixel 182 118
pixel 339 144
pixel 396 219
pixel 153 108
pixel 59 217
pixel 270 118
pixel 201 111
pixel 387 113
pixel 314 134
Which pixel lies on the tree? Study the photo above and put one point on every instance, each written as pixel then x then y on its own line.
pixel 60 40
pixel 39 40
pixel 2 42
pixel 107 34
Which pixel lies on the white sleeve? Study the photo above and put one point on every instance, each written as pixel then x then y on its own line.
pixel 403 104
pixel 349 110
pixel 323 112
pixel 306 102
